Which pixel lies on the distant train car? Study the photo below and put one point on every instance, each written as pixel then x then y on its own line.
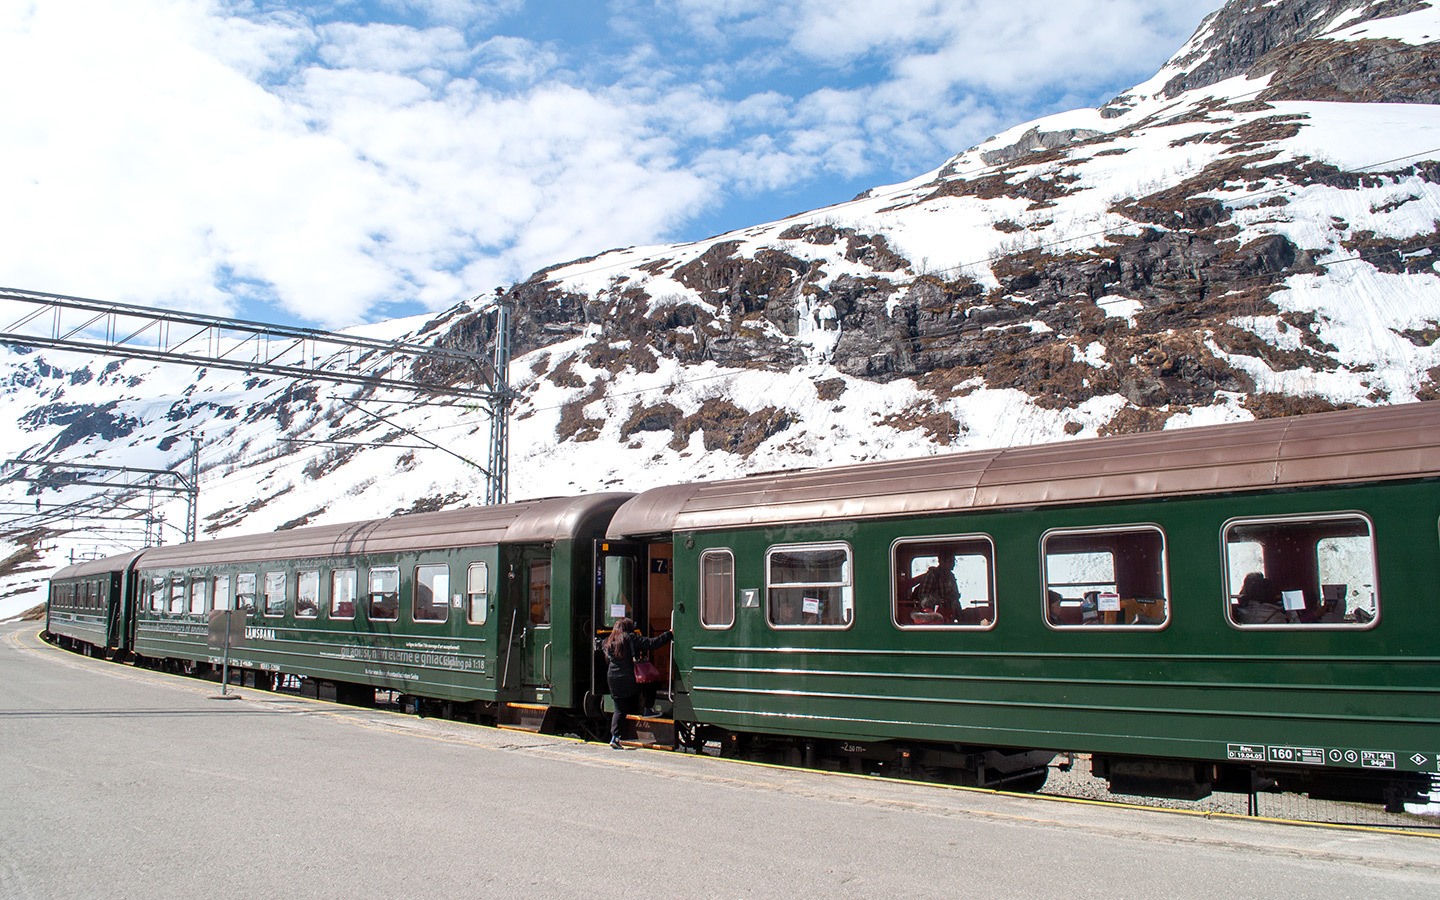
pixel 86 609
pixel 1239 607
pixel 473 607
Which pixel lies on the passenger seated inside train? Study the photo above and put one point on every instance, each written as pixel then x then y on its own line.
pixel 936 596
pixel 1062 611
pixel 1258 602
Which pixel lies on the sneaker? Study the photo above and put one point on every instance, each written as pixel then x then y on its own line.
pixel 649 713
pixel 615 744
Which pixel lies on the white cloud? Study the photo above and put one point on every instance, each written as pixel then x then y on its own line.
pixel 201 153
pixel 392 48
pixel 142 165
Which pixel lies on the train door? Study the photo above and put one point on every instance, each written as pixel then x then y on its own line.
pixel 530 580
pixel 633 580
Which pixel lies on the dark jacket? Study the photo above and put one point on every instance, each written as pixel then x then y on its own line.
pixel 621 672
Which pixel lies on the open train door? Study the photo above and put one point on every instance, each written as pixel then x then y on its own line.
pixel 618 594
pixel 632 580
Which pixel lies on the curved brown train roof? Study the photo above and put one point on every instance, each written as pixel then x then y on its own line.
pixel 536 520
pixel 117 563
pixel 1384 443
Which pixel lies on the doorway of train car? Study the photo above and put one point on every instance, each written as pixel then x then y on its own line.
pixel 526 623
pixel 633 580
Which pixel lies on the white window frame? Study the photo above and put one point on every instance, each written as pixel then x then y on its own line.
pixel 729 602
pixel 846 585
pixel 900 543
pixel 220 596
pixel 441 602
pixel 266 592
pixel 370 593
pixel 477 599
pixel 312 577
pixel 1232 588
pixel 1128 528
pixel 337 598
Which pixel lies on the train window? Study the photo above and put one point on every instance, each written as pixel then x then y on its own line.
pixel 943 583
pixel 432 593
pixel 177 595
pixel 199 596
pixel 342 594
pixel 245 592
pixel 717 589
pixel 307 594
pixel 810 586
pixel 384 594
pixel 274 593
pixel 222 592
pixel 1301 571
pixel 1106 577
pixel 157 594
pixel 540 592
pixel 477 592
pixel 617 583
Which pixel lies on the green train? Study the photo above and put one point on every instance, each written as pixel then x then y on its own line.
pixel 1247 607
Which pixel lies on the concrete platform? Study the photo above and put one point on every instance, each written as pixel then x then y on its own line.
pixel 129 783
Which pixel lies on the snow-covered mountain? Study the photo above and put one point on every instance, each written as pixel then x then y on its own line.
pixel 1253 232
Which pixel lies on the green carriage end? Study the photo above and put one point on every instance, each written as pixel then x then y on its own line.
pixel 86 606
pixel 470 606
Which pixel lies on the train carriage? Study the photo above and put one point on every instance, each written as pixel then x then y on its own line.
pixel 1235 607
pixel 477 606
pixel 86 608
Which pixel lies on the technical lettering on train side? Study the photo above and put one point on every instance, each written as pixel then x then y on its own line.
pixel 1304 756
pixel 383 673
pixel 409 658
pixel 1320 756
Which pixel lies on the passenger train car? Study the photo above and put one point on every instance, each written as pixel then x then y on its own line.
pixel 1240 607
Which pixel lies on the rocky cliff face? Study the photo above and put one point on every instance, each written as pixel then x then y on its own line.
pixel 1259 37
pixel 1142 258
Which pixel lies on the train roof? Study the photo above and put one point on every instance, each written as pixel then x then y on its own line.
pixel 104 566
pixel 526 521
pixel 1373 444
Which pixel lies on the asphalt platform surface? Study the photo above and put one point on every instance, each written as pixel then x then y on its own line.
pixel 127 783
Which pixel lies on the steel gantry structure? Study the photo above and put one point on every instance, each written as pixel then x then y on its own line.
pixel 128 480
pixel 77 324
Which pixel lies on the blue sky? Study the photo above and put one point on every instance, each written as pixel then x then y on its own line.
pixel 341 162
